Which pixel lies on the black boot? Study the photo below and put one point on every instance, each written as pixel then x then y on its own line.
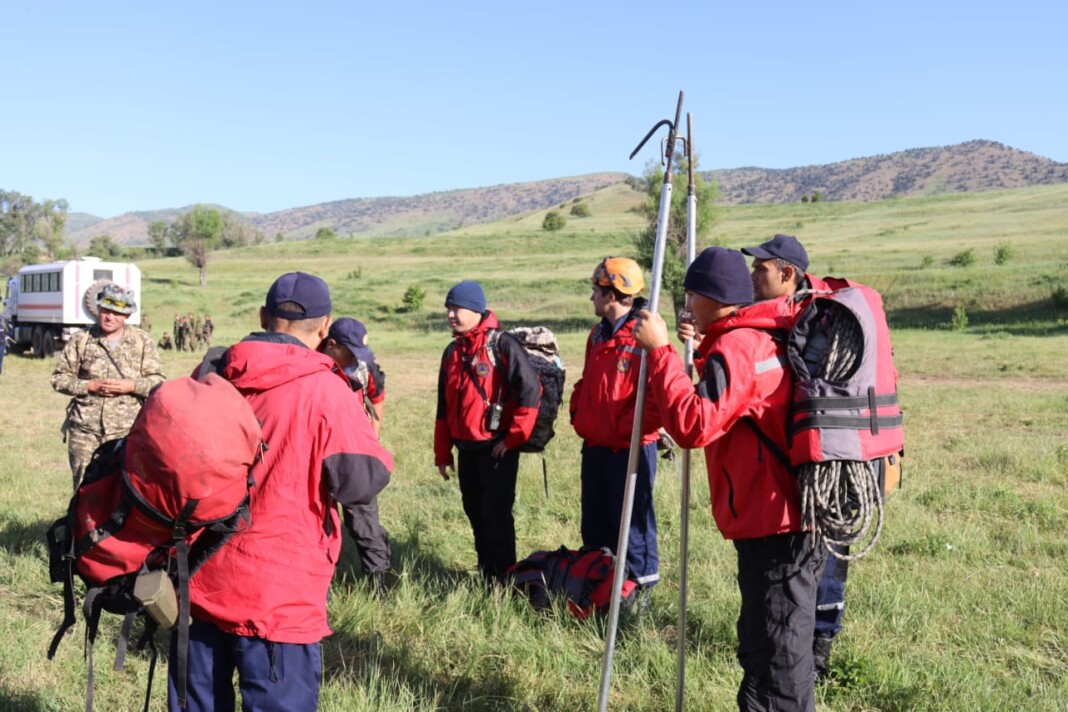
pixel 821 656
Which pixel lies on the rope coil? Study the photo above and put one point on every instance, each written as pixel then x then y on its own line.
pixel 840 499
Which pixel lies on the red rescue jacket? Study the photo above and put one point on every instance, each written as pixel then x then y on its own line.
pixel 744 376
pixel 506 377
pixel 271 580
pixel 602 401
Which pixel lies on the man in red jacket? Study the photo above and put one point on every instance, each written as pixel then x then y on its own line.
pixel 602 413
pixel 744 392
pixel 259 603
pixel 488 395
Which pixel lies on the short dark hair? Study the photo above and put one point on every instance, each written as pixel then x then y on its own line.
pixel 626 299
pixel 302 326
pixel 799 274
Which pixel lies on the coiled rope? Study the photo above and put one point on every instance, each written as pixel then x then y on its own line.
pixel 841 498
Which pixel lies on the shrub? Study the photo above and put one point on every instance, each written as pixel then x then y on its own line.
pixel 1059 297
pixel 580 210
pixel 963 259
pixel 959 322
pixel 413 297
pixel 356 273
pixel 1002 253
pixel 553 221
pixel 325 233
pixel 926 261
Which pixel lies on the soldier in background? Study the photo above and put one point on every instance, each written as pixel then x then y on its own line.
pixel 109 370
pixel 191 336
pixel 146 323
pixel 165 343
pixel 208 330
pixel 179 332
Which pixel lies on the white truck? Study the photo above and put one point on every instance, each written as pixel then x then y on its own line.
pixel 45 304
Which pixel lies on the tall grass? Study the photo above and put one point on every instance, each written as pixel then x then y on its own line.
pixel 963 605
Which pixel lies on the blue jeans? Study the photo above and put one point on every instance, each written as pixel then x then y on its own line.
pixel 282 677
pixel 604 482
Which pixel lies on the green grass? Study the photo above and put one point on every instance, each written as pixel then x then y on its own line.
pixel 963 605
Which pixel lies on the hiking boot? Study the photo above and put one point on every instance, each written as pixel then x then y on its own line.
pixel 821 656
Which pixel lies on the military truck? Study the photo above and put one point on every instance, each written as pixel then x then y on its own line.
pixel 46 304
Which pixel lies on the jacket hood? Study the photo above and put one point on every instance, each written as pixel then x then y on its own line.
pixel 260 365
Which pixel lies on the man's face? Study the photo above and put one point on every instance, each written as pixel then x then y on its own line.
pixel 339 352
pixel 704 310
pixel 769 281
pixel 111 322
pixel 600 300
pixel 461 319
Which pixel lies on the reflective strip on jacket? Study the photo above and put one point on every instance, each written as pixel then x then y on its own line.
pixel 745 375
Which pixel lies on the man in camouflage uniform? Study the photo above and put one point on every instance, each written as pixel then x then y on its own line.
pixel 109 370
pixel 179 333
pixel 192 338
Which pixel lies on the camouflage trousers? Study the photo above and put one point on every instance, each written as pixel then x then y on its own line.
pixel 80 448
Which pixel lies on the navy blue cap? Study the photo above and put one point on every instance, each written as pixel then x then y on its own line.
pixel 307 291
pixel 353 334
pixel 468 295
pixel 784 247
pixel 720 274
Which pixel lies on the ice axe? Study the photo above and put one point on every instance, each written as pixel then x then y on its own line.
pixel 684 497
pixel 639 403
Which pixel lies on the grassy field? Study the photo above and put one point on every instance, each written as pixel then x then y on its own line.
pixel 963 605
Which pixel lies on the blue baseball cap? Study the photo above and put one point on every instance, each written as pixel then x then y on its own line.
pixel 353 335
pixel 785 247
pixel 307 291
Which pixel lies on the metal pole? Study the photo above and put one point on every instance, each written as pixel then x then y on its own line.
pixel 684 498
pixel 639 407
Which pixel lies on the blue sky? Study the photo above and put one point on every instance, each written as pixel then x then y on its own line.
pixel 264 106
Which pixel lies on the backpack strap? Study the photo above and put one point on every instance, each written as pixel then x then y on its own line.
pixel 178 537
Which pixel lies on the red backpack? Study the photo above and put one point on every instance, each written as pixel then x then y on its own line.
pixel 584 577
pixel 152 508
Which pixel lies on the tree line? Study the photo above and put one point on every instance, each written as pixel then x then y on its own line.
pixel 32 232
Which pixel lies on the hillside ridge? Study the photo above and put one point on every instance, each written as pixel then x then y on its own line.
pixel 973 166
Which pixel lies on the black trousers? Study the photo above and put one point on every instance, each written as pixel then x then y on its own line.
pixel 372 543
pixel 777 577
pixel 487 487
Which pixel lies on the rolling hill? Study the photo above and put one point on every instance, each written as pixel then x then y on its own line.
pixel 974 166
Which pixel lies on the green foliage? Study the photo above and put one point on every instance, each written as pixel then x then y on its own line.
pixel 413 298
pixel 196 234
pixel 105 248
pixel 964 258
pixel 554 220
pixel 804 198
pixel 1059 297
pixel 1002 253
pixel 325 233
pixel 279 237
pixel 675 240
pixel 926 261
pixel 959 321
pixel 29 228
pixel 816 197
pixel 356 273
pixel 580 210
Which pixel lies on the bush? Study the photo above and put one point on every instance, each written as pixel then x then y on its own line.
pixel 1059 297
pixel 963 259
pixel 959 322
pixel 926 261
pixel 413 297
pixel 580 210
pixel 553 221
pixel 1002 253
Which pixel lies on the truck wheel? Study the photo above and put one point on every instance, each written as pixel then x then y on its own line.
pixel 89 300
pixel 48 343
pixel 37 342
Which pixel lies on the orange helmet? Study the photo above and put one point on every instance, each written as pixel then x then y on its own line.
pixel 621 273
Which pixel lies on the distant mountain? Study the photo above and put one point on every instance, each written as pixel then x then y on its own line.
pixel 967 167
pixel 974 166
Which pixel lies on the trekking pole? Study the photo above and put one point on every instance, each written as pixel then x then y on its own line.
pixel 639 403
pixel 684 497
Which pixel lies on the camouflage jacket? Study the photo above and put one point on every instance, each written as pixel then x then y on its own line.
pixel 87 358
